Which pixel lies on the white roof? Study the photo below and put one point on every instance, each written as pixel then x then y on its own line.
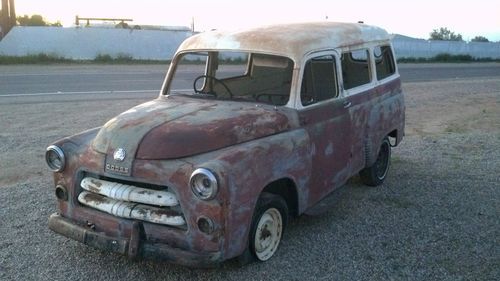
pixel 291 40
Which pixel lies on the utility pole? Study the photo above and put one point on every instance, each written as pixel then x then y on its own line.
pixel 7 17
pixel 12 10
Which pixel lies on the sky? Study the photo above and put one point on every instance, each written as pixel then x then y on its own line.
pixel 411 18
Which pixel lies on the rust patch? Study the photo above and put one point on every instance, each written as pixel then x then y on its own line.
pixel 96 183
pixel 226 124
pixel 247 147
pixel 95 198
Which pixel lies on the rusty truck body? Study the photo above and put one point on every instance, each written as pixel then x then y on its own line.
pixel 250 129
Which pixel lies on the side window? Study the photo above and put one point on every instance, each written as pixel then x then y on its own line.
pixel 319 81
pixel 189 66
pixel 384 62
pixel 355 68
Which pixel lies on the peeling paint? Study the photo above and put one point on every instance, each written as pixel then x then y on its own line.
pixel 129 193
pixel 130 210
pixel 292 40
pixel 146 201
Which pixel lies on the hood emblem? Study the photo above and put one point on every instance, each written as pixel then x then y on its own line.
pixel 119 154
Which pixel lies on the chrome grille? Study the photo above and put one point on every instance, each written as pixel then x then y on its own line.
pixel 131 202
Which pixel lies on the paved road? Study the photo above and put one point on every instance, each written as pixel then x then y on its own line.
pixel 436 71
pixel 21 83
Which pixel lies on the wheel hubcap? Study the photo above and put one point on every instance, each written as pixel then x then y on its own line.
pixel 268 234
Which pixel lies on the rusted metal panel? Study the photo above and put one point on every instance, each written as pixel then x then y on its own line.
pixel 247 145
pixel 329 128
pixel 130 246
pixel 374 113
pixel 248 168
pixel 221 125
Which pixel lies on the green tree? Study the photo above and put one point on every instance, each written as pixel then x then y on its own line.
pixel 56 24
pixel 23 20
pixel 445 34
pixel 36 20
pixel 480 39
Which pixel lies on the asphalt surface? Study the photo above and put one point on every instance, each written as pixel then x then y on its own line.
pixel 450 71
pixel 20 83
pixel 435 217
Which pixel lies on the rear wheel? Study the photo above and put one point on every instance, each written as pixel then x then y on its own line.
pixel 266 231
pixel 376 173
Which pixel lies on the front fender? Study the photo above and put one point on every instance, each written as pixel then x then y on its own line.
pixel 249 168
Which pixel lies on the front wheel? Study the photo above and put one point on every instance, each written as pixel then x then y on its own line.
pixel 266 231
pixel 376 173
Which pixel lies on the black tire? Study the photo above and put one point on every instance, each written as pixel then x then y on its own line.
pixel 377 172
pixel 269 207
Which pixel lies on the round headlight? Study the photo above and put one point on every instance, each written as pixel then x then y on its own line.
pixel 204 184
pixel 55 158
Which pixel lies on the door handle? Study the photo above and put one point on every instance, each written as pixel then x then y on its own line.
pixel 347 104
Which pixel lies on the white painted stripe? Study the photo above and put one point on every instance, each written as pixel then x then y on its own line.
pixel 81 74
pixel 78 93
pixel 89 92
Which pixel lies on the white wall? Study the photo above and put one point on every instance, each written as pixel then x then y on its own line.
pixel 426 49
pixel 87 43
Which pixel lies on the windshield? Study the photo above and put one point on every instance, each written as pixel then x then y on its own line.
pixel 233 76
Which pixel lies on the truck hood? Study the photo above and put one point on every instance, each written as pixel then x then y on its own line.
pixel 177 126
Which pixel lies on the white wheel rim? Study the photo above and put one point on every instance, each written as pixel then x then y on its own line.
pixel 268 234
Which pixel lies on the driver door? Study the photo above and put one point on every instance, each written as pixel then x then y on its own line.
pixel 325 116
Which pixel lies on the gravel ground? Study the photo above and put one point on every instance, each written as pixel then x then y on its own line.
pixel 435 218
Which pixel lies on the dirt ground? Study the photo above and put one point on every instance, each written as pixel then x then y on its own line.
pixel 435 218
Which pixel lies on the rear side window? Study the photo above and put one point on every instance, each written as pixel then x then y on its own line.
pixel 355 68
pixel 384 62
pixel 320 80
